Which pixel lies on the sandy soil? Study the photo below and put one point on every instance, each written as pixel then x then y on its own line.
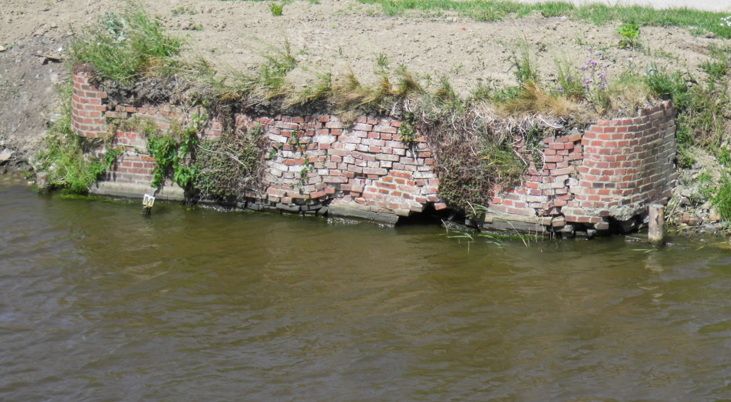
pixel 334 35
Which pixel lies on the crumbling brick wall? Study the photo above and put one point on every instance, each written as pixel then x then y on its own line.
pixel 612 170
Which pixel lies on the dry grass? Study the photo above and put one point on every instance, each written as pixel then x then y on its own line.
pixel 533 99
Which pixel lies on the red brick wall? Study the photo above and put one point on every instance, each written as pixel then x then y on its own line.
pixel 87 106
pixel 545 189
pixel 366 164
pixel 628 164
pixel 614 169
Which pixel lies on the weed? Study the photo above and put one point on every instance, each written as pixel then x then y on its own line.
pixel 627 93
pixel 407 131
pixel 382 63
pixel 595 73
pixel 124 46
pixel 722 199
pixel 668 85
pixel 503 159
pixel 630 35
pixel 718 66
pixel 524 65
pixel 705 185
pixel 531 98
pixel 65 157
pixel 702 106
pixel 173 152
pixel 231 166
pixel 277 9
pixel 569 81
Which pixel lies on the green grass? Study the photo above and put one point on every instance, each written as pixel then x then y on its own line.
pixel 486 10
pixel 722 199
pixel 122 47
pixel 64 156
pixel 702 104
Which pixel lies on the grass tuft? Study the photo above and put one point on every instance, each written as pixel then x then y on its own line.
pixel 277 9
pixel 122 47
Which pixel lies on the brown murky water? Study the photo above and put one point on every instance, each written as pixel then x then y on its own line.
pixel 100 303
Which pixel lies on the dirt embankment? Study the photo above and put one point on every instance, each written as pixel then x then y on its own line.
pixel 334 36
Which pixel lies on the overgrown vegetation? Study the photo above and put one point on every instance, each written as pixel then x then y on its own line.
pixel 174 152
pixel 722 199
pixel 122 47
pixel 230 167
pixel 64 158
pixel 597 13
pixel 703 104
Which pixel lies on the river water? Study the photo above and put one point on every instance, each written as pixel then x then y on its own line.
pixel 98 302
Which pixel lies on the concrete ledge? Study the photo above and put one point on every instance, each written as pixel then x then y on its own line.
pixel 349 209
pixel 130 190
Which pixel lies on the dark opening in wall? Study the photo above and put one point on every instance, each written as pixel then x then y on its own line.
pixel 429 216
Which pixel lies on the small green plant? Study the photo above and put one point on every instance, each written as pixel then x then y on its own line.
pixel 705 185
pixel 668 85
pixel 270 79
pixel 382 63
pixel 182 10
pixel 173 152
pixel 320 90
pixel 524 65
pixel 722 199
pixel 407 131
pixel 277 9
pixel 569 81
pixel 718 66
pixel 629 33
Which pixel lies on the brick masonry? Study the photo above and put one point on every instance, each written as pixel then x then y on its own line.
pixel 612 170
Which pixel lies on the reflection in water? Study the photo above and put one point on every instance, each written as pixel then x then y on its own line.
pixel 98 302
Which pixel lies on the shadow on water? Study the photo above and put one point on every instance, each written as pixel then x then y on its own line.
pixel 97 301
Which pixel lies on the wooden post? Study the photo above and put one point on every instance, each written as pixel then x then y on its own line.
pixel 656 229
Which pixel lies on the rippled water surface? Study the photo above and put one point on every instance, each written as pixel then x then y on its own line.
pixel 99 303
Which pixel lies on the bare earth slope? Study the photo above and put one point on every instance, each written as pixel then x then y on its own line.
pixel 330 36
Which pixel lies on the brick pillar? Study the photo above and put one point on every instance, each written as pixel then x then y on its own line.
pixel 87 105
pixel 628 164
